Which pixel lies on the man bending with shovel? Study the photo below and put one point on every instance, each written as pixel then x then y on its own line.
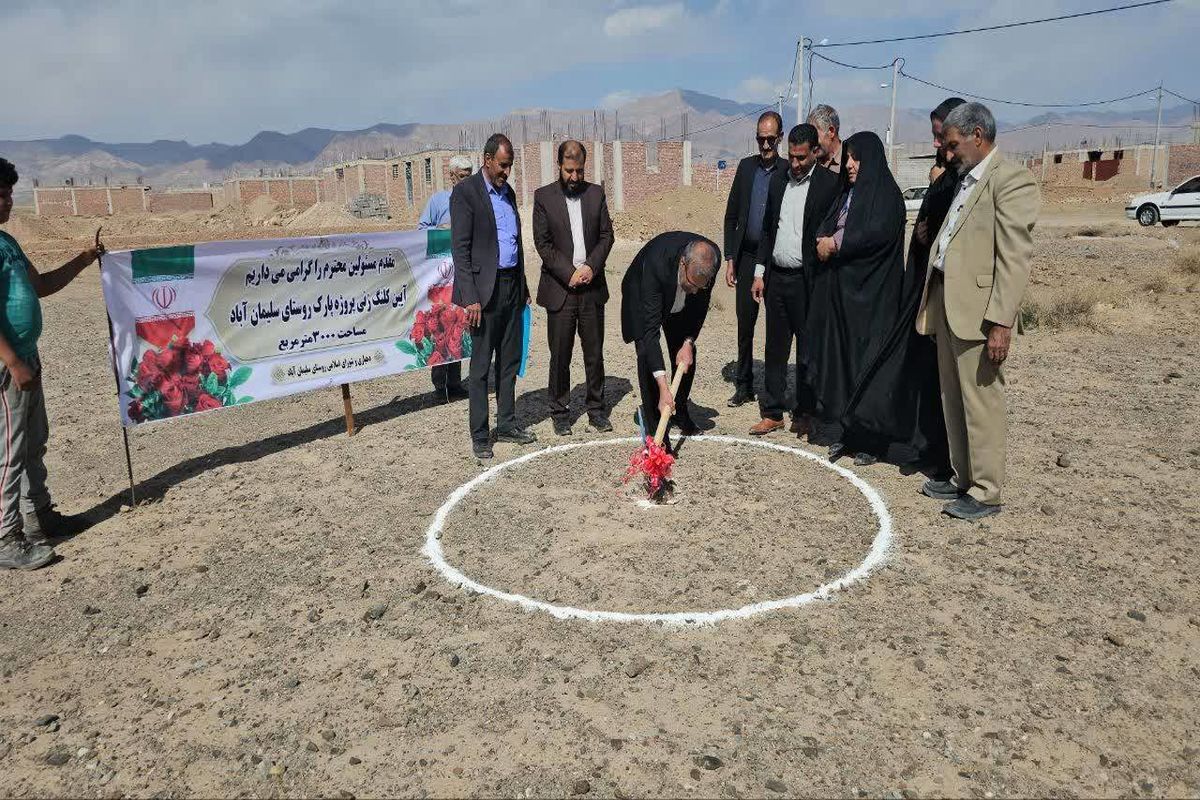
pixel 667 289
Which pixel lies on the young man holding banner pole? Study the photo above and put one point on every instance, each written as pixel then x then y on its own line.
pixel 28 520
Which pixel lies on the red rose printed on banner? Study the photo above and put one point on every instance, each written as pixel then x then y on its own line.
pixel 159 331
pixel 440 334
pixel 181 377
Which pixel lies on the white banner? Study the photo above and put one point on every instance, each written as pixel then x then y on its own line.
pixel 207 326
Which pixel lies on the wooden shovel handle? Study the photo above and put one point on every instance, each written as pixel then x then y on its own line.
pixel 665 419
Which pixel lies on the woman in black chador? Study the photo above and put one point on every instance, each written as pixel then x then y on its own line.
pixel 898 399
pixel 856 295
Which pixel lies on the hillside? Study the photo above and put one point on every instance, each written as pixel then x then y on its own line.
pixel 718 126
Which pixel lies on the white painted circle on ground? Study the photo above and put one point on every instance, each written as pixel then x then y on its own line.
pixel 875 558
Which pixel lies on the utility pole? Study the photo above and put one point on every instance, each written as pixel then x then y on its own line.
pixel 780 104
pixel 892 117
pixel 1045 149
pixel 800 109
pixel 1157 133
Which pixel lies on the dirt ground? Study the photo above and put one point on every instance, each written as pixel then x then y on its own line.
pixel 264 624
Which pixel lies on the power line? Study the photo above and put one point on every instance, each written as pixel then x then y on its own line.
pixel 998 27
pixel 1023 103
pixel 758 110
pixel 1181 97
pixel 982 97
pixel 851 66
pixel 1041 125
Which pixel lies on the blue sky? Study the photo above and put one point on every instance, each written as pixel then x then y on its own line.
pixel 136 70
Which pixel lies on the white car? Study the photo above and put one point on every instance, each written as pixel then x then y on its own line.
pixel 913 197
pixel 1170 208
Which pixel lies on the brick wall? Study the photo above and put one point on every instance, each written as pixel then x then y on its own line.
pixel 280 192
pixel 1184 163
pixel 125 199
pixel 706 176
pixel 55 202
pixel 249 190
pixel 643 181
pixel 304 192
pixel 171 202
pixel 92 201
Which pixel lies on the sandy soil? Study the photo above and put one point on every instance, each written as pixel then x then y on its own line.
pixel 263 623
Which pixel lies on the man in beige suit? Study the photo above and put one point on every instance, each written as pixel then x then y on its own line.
pixel 978 271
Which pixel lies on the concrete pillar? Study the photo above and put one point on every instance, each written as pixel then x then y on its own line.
pixel 439 177
pixel 37 205
pixel 618 176
pixel 362 180
pixel 74 203
pixel 547 162
pixel 687 163
pixel 598 163
pixel 108 198
pixel 524 179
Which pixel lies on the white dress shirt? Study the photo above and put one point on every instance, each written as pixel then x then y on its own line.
pixel 676 307
pixel 789 241
pixel 965 187
pixel 575 212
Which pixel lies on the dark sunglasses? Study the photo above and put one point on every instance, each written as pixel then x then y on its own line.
pixel 767 139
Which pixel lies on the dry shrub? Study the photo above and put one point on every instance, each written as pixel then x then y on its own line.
pixel 1074 307
pixel 1188 262
pixel 1093 231
pixel 1159 284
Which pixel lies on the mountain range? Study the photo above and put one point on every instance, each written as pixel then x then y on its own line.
pixel 718 127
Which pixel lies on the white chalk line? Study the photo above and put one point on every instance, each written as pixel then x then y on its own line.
pixel 875 558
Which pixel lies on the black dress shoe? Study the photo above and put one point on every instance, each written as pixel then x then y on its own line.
pixel 741 397
pixel 516 436
pixel 970 509
pixel 600 423
pixel 864 459
pixel 836 451
pixel 687 426
pixel 482 450
pixel 562 427
pixel 941 490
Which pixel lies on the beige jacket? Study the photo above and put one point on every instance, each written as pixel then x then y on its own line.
pixel 987 257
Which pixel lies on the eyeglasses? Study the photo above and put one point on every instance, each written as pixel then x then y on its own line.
pixel 767 139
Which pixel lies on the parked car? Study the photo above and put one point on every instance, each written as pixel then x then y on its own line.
pixel 913 197
pixel 1170 208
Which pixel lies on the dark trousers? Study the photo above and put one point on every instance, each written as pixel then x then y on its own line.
pixel 648 386
pixel 747 318
pixel 579 313
pixel 499 335
pixel 786 302
pixel 446 377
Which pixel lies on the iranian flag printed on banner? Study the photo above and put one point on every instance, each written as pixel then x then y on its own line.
pixel 159 265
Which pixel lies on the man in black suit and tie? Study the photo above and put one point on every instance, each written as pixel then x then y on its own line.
pixel 798 200
pixel 489 283
pixel 745 213
pixel 573 234
pixel 667 289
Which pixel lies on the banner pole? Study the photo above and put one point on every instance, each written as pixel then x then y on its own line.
pixel 112 350
pixel 349 409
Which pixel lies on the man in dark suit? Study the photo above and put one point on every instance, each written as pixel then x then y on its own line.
pixel 667 289
pixel 745 213
pixel 489 284
pixel 573 234
pixel 798 200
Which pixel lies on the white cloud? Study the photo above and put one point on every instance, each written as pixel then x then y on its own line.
pixel 756 89
pixel 618 98
pixel 642 19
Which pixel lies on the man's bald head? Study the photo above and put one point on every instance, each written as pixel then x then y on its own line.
pixel 698 265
